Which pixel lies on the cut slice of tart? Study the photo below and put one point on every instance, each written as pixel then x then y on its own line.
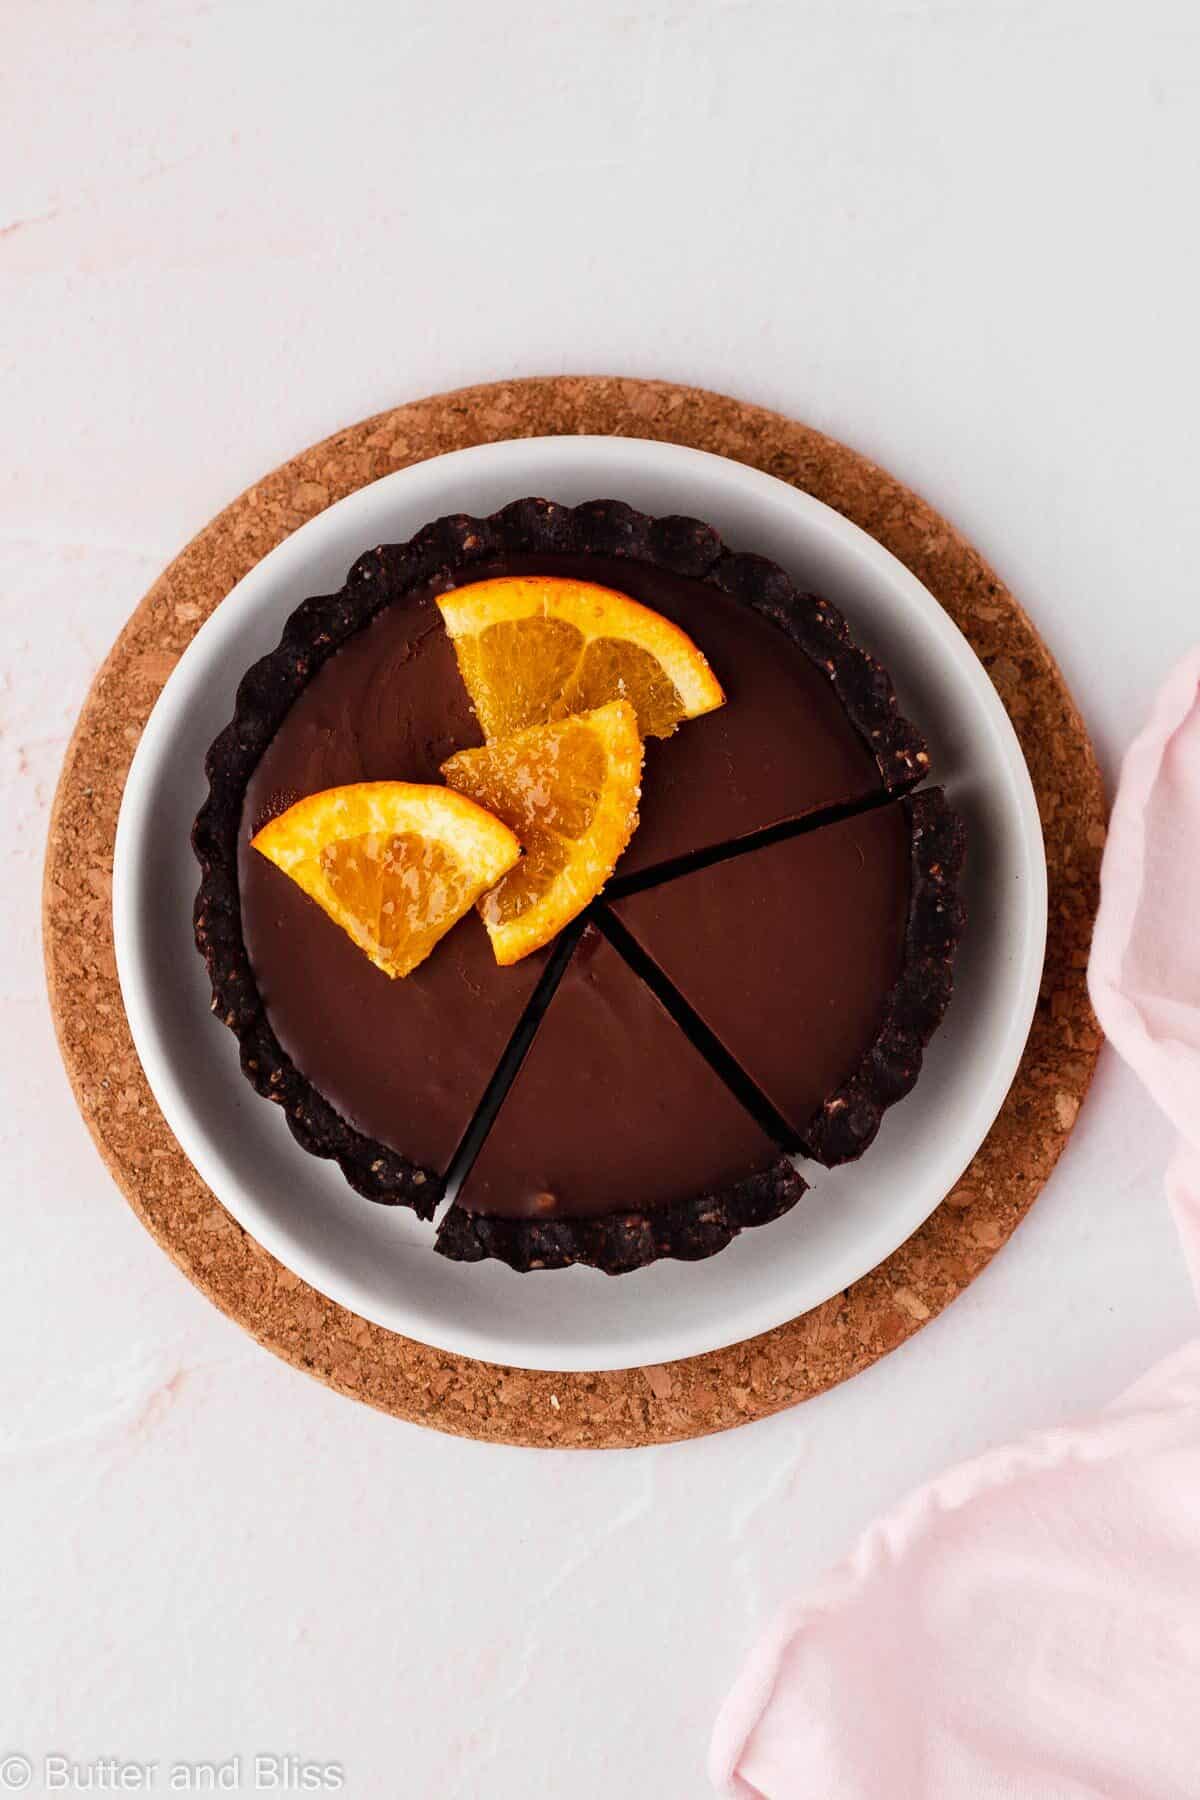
pixel 394 863
pixel 617 1143
pixel 822 963
pixel 535 648
pixel 569 791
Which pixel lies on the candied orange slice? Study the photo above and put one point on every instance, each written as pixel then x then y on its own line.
pixel 532 648
pixel 393 863
pixel 569 790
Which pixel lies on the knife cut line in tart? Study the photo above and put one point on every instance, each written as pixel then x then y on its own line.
pixel 511 1058
pixel 394 863
pixel 675 868
pixel 569 790
pixel 693 1026
pixel 535 648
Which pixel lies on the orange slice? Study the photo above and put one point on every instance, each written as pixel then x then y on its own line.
pixel 569 790
pixel 394 864
pixel 533 648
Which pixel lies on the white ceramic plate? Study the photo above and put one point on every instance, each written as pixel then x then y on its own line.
pixel 378 1260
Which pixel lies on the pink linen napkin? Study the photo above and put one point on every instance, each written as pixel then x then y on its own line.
pixel 1027 1627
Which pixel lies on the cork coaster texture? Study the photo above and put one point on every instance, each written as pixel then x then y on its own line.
pixel 456 1394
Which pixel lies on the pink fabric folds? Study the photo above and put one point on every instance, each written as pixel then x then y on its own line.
pixel 1027 1627
pixel 1145 967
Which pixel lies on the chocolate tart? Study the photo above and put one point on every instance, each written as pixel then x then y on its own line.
pixel 388 1078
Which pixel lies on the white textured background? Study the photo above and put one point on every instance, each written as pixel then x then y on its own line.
pixel 960 236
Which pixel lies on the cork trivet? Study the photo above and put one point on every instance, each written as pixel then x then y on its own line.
pixel 456 1394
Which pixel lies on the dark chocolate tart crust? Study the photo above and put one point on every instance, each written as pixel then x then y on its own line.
pixel 441 556
pixel 688 1230
pixel 852 1115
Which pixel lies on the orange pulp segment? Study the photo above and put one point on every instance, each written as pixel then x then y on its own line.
pixel 569 790
pixel 394 863
pixel 532 648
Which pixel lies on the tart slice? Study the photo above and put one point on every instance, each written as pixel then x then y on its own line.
pixel 616 1144
pixel 822 964
pixel 535 648
pixel 394 863
pixel 569 791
